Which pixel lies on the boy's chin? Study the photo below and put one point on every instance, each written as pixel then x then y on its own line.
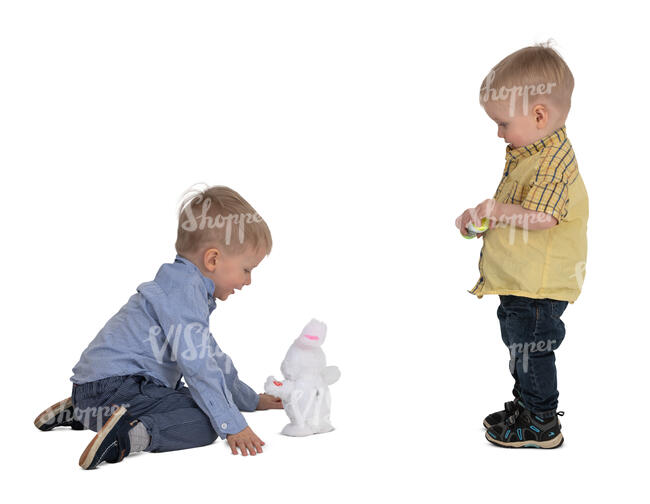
pixel 225 295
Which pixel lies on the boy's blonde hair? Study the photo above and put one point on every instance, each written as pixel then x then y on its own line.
pixel 537 71
pixel 219 217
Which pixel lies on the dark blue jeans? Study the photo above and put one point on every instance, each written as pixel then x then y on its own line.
pixel 532 330
pixel 172 418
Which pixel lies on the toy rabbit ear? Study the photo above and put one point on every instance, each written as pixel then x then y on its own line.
pixel 314 323
pixel 323 325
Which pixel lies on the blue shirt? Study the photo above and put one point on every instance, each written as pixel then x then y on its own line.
pixel 163 332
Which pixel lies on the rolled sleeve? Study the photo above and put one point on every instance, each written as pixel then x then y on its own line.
pixel 549 191
pixel 548 198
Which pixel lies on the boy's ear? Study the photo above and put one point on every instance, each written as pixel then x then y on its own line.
pixel 210 259
pixel 540 113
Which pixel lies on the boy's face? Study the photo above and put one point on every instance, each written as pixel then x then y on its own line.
pixel 231 272
pixel 517 130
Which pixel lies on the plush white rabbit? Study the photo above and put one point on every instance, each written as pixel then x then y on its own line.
pixel 304 392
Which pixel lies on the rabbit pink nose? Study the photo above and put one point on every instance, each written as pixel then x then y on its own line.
pixel 309 336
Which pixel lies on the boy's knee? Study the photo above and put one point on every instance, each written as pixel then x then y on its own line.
pixel 204 437
pixel 212 437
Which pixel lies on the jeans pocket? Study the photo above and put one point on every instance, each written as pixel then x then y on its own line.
pixel 154 391
pixel 557 308
pixel 518 306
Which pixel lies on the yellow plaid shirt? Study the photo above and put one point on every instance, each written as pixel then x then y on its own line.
pixel 550 263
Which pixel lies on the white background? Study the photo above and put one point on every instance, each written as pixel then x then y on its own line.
pixel 354 129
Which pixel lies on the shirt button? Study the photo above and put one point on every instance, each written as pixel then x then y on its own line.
pixel 224 425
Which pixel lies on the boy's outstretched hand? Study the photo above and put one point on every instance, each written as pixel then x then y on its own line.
pixel 247 441
pixel 268 401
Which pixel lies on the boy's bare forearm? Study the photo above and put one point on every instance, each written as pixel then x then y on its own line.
pixel 505 214
pixel 521 217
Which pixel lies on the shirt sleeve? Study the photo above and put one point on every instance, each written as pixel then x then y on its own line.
pixel 244 396
pixel 206 370
pixel 549 189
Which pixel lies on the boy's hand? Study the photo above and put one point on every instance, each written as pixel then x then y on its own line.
pixel 268 401
pixel 474 215
pixel 246 440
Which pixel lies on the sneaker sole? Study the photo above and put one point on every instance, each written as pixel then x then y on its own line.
pixel 50 413
pixel 89 453
pixel 550 444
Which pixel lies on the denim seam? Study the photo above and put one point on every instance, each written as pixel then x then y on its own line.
pixel 531 368
pixel 181 424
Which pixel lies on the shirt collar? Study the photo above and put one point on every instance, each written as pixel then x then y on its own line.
pixel 209 284
pixel 555 138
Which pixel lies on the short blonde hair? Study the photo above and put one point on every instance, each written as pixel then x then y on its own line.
pixel 218 216
pixel 535 70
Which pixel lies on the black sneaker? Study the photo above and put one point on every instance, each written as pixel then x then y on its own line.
pixel 111 444
pixel 499 416
pixel 60 414
pixel 524 429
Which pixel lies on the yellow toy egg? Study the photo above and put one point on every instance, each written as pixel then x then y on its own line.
pixel 473 231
